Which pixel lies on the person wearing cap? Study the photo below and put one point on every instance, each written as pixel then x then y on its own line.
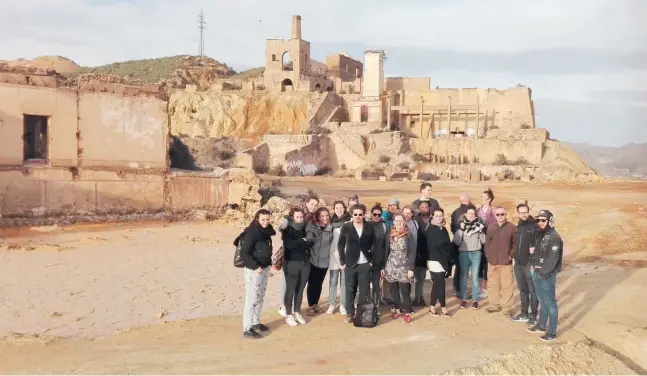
pixel 392 209
pixel 425 195
pixel 549 250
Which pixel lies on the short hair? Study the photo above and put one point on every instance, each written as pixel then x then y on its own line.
pixel 261 212
pixel 296 209
pixel 470 207
pixel 425 185
pixel 523 205
pixel 396 215
pixel 438 209
pixel 358 207
pixel 310 198
pixel 424 202
pixel 405 207
pixel 354 198
pixel 500 207
pixel 376 207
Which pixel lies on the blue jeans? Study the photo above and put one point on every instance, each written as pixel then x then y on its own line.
pixel 545 290
pixel 334 283
pixel 470 262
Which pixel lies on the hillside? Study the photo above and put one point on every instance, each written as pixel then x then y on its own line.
pixel 629 161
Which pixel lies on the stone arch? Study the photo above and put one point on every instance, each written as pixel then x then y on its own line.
pixel 363 114
pixel 286 61
pixel 287 84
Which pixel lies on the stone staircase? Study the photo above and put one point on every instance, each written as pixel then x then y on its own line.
pixel 323 110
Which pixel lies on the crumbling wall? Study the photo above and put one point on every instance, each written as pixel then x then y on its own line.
pixel 482 151
pixel 237 113
pixel 128 131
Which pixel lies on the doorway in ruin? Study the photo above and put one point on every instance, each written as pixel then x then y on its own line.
pixel 286 61
pixel 318 88
pixel 363 114
pixel 35 138
pixel 286 85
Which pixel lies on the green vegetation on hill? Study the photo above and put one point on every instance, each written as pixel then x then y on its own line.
pixel 249 74
pixel 156 70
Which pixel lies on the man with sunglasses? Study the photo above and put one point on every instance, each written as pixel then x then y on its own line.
pixel 356 240
pixel 381 230
pixel 499 250
pixel 547 263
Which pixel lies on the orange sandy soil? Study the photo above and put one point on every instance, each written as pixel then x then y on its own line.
pixel 164 298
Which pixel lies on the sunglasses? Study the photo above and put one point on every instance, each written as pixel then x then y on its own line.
pixel 377 214
pixel 500 214
pixel 541 220
pixel 358 214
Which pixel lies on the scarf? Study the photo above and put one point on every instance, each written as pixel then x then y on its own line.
pixel 395 233
pixel 471 227
pixel 297 226
pixel 344 218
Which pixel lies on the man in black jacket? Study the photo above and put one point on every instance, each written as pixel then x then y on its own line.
pixel 356 240
pixel 526 233
pixel 549 250
pixel 378 258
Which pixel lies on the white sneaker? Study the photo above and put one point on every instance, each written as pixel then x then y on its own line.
pixel 330 310
pixel 282 312
pixel 290 320
pixel 342 310
pixel 299 318
pixel 483 294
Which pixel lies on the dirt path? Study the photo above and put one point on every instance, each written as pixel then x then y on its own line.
pixel 87 285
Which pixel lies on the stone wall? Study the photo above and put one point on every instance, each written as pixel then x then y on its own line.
pixel 482 151
pixel 407 83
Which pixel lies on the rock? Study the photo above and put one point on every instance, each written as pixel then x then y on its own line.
pixel 160 315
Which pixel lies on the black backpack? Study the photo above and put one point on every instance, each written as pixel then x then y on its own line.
pixel 238 258
pixel 366 315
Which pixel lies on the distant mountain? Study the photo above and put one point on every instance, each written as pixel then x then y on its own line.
pixel 629 161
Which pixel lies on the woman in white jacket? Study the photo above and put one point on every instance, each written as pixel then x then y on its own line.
pixel 336 272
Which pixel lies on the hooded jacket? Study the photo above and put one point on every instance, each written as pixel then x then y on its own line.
pixel 295 245
pixel 525 234
pixel 381 244
pixel 256 250
pixel 439 246
pixel 336 224
pixel 500 243
pixel 321 238
pixel 549 248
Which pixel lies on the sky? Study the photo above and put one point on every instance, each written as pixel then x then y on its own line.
pixel 585 60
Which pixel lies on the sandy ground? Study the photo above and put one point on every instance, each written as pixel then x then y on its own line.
pixel 173 296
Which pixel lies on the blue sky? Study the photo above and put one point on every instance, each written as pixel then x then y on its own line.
pixel 586 60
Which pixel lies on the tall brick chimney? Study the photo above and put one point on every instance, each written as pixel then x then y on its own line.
pixel 296 27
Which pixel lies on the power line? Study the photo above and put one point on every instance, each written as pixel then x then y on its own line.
pixel 201 26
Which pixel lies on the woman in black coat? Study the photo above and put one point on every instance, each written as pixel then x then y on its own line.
pixel 296 248
pixel 439 248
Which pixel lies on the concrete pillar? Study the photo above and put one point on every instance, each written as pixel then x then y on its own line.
pixel 478 117
pixel 449 118
pixel 422 110
pixel 388 111
pixel 296 27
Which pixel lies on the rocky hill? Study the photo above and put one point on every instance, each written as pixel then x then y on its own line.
pixel 629 161
pixel 59 64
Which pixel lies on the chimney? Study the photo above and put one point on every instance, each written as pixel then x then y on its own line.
pixel 296 27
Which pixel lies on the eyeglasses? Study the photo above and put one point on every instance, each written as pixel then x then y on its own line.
pixel 377 214
pixel 500 214
pixel 541 220
pixel 358 214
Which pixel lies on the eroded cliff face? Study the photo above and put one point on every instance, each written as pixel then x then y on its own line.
pixel 241 114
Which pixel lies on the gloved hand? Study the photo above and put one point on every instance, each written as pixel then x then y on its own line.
pixel 410 274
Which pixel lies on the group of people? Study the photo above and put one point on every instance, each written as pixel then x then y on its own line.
pixel 386 253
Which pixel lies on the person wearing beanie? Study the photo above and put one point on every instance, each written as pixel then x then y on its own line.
pixel 548 252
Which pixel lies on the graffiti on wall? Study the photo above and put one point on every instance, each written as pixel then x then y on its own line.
pixel 297 167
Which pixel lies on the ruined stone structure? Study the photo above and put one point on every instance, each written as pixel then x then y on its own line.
pixel 88 146
pixel 289 66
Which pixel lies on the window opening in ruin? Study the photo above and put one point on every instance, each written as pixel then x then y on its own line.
pixel 286 85
pixel 363 116
pixel 358 73
pixel 346 67
pixel 318 87
pixel 396 99
pixel 306 57
pixel 286 61
pixel 35 138
pixel 412 124
pixel 273 57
